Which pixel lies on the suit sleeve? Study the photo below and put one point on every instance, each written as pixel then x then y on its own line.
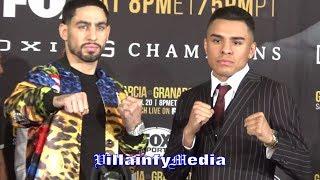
pixel 175 146
pixel 292 153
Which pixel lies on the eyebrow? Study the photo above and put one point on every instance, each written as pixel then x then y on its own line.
pixel 88 23
pixel 233 38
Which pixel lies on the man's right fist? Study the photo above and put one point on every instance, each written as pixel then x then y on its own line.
pixel 72 103
pixel 200 114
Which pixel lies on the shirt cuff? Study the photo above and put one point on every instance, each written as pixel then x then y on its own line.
pixel 48 100
pixel 269 152
pixel 189 148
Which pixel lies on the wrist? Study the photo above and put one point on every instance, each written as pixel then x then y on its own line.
pixel 187 134
pixel 136 130
pixel 274 140
pixel 49 101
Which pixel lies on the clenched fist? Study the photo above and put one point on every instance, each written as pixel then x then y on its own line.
pixel 72 103
pixel 200 114
pixel 130 110
pixel 257 125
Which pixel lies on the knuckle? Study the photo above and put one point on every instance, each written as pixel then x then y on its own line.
pixel 73 97
pixel 66 99
pixel 258 131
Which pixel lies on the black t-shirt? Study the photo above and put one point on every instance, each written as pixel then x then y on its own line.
pixel 93 125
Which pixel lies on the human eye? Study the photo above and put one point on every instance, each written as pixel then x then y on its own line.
pixel 101 27
pixel 216 40
pixel 82 26
pixel 237 42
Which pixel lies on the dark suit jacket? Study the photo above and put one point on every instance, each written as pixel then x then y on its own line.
pixel 245 155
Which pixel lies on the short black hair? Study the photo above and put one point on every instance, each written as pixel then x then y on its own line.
pixel 71 6
pixel 233 13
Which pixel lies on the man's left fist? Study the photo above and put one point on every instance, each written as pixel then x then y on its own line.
pixel 130 110
pixel 257 125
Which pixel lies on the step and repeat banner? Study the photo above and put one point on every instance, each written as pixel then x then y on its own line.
pixel 156 50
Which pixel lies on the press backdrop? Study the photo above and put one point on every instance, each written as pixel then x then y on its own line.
pixel 156 51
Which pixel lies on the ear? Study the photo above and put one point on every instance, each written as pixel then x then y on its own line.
pixel 205 45
pixel 63 31
pixel 252 50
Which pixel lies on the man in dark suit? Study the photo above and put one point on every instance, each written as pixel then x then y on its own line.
pixel 249 119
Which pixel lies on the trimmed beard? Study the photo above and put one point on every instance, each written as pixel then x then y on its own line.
pixel 85 58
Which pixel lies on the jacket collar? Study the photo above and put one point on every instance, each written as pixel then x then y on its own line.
pixel 70 83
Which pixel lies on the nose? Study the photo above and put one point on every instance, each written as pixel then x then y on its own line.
pixel 226 48
pixel 92 36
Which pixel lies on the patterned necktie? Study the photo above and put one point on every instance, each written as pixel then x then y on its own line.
pixel 219 106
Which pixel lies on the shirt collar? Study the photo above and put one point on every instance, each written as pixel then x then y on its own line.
pixel 233 81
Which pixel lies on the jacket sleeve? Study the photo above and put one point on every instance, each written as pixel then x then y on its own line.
pixel 292 153
pixel 133 145
pixel 129 145
pixel 25 106
pixel 175 146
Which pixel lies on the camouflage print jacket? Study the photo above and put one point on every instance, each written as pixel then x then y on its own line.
pixel 48 145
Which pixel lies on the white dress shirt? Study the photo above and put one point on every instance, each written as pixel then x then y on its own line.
pixel 233 81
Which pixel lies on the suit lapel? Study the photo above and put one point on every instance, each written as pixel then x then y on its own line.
pixel 204 93
pixel 237 106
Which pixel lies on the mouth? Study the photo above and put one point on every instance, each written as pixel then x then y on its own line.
pixel 225 62
pixel 91 47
